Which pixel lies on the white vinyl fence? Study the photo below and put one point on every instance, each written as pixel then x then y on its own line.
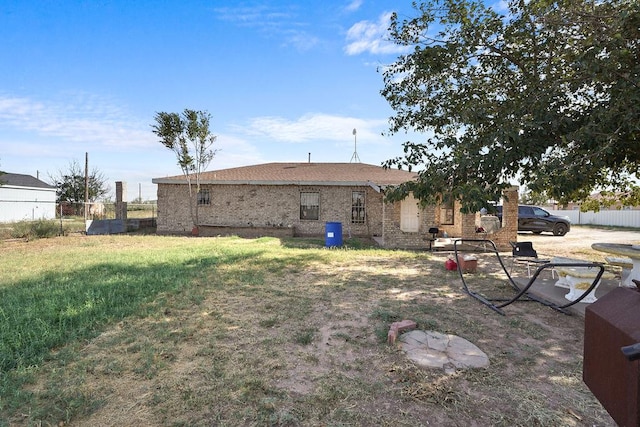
pixel 626 218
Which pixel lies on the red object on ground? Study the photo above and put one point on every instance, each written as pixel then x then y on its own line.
pixel 450 265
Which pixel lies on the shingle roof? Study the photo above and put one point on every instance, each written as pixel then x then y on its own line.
pixel 20 180
pixel 301 174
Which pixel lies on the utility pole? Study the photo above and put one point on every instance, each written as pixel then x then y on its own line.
pixel 86 184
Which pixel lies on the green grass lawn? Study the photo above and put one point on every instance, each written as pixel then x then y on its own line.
pixel 131 330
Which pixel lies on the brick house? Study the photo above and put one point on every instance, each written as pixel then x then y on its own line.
pixel 298 199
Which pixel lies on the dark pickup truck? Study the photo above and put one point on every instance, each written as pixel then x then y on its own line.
pixel 537 220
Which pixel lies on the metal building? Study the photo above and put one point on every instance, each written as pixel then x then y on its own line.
pixel 23 197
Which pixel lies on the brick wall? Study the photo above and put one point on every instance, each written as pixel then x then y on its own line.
pixel 452 230
pixel 394 237
pixel 468 229
pixel 246 232
pixel 275 210
pixel 173 210
pixel 264 206
pixel 509 230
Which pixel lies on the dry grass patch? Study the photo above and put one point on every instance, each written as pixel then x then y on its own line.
pixel 270 332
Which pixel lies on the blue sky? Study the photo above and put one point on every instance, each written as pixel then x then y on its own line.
pixel 281 79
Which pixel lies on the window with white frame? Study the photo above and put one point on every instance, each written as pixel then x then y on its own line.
pixel 357 207
pixel 204 197
pixel 310 205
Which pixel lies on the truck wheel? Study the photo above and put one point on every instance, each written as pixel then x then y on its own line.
pixel 559 230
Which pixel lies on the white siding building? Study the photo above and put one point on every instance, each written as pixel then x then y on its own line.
pixel 23 197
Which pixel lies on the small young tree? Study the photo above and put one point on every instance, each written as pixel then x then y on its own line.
pixel 189 137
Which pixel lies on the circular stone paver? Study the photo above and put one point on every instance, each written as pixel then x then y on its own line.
pixel 435 350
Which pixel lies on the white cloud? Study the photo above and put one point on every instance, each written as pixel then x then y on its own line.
pixel 372 37
pixel 233 151
pixel 80 118
pixel 301 40
pixel 354 5
pixel 259 16
pixel 316 127
pixel 271 22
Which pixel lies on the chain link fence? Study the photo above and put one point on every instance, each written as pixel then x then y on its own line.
pixel 71 218
pixel 104 210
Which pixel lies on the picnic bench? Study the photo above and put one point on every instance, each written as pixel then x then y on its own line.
pixel 577 279
pixel 625 265
pixel 580 279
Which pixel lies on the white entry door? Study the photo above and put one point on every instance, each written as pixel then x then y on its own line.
pixel 409 215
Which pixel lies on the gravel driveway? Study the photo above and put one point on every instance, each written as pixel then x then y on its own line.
pixel 577 242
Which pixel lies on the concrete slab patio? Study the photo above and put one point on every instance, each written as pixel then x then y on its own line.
pixel 546 289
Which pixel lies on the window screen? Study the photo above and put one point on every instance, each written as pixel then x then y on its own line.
pixel 310 206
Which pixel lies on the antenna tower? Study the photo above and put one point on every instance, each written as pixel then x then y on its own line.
pixel 355 158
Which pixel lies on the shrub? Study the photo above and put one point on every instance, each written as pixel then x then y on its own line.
pixel 45 228
pixel 35 229
pixel 21 230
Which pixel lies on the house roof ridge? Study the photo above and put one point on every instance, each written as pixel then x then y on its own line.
pixel 22 180
pixel 300 173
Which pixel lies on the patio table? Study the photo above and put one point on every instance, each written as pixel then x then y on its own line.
pixel 630 251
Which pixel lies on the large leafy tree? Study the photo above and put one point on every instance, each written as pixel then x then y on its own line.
pixel 546 93
pixel 189 137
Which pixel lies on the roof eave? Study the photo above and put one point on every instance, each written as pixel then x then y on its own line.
pixel 260 182
pixel 27 187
